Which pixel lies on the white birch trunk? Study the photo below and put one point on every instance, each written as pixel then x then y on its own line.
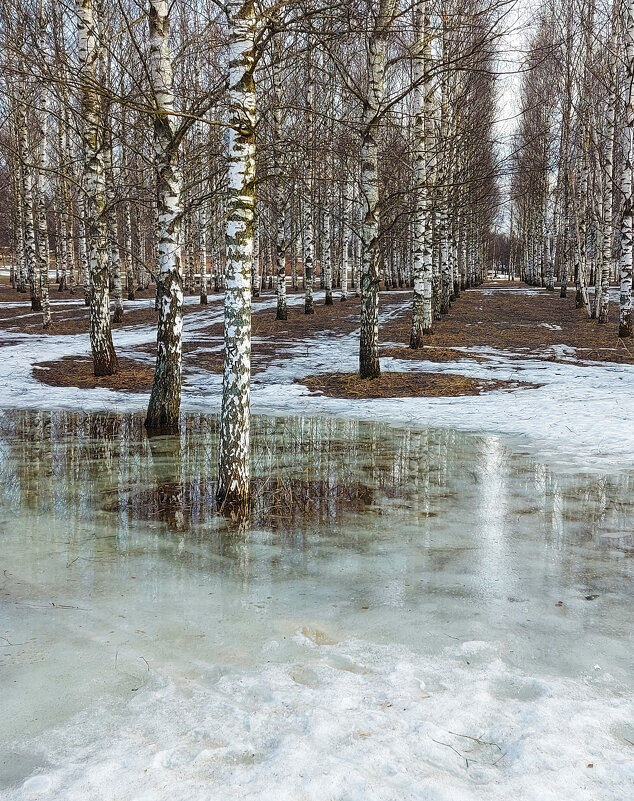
pixel 233 449
pixel 104 357
pixel 30 255
pixel 327 254
pixel 422 229
pixel 369 366
pixel 346 246
pixel 625 298
pixel 603 296
pixel 42 225
pixel 164 406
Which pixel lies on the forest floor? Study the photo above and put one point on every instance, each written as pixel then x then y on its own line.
pixel 501 315
pixel 463 627
pixel 506 354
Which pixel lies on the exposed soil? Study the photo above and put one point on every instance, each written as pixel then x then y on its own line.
pixel 68 316
pixel 402 385
pixel 77 371
pixel 430 353
pixel 498 315
pixel 530 324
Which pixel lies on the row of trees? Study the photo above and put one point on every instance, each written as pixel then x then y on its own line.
pixel 572 186
pixel 192 142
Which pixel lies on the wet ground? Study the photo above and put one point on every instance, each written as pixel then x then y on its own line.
pixel 409 613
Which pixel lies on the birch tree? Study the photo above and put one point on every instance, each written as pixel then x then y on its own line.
pixel 625 298
pixel 233 448
pixel 94 182
pixel 164 406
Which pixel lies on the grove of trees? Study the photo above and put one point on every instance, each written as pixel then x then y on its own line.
pixel 199 147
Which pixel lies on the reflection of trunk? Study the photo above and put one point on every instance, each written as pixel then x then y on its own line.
pixel 169 496
pixel 625 300
pixel 104 357
pixel 233 479
pixel 164 407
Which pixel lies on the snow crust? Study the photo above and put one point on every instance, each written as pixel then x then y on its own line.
pixel 430 660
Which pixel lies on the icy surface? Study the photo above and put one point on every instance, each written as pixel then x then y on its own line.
pixel 464 633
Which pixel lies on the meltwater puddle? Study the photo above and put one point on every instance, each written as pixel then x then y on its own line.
pixel 409 614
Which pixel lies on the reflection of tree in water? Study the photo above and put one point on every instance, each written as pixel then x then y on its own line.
pixel 309 474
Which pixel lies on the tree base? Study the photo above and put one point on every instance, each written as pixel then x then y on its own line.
pixel 105 367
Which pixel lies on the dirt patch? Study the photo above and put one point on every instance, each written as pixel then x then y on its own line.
pixel 532 324
pixel 402 385
pixel 69 315
pixel 77 371
pixel 431 354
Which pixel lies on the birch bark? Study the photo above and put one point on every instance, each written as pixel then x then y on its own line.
pixel 104 357
pixel 346 245
pixel 369 366
pixel 233 449
pixel 28 220
pixel 603 298
pixel 164 407
pixel 422 245
pixel 625 298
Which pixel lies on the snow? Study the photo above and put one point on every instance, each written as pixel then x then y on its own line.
pixel 444 649
pixel 577 416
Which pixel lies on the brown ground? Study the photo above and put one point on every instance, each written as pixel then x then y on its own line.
pixel 515 321
pixel 66 318
pixel 76 371
pixel 509 320
pixel 401 385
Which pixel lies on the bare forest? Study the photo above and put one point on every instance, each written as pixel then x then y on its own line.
pixel 316 393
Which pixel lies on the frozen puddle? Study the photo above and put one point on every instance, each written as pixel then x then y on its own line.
pixel 412 615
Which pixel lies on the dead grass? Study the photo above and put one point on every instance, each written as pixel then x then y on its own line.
pixel 401 385
pixel 429 353
pixel 77 371
pixel 528 324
